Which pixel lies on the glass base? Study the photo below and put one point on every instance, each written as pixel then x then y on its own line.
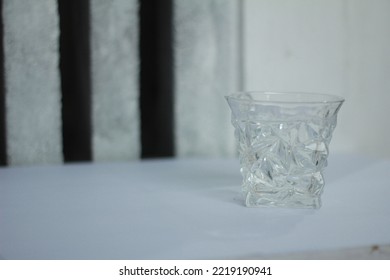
pixel 293 200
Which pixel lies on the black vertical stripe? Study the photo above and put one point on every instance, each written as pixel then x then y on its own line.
pixel 75 79
pixel 156 78
pixel 3 145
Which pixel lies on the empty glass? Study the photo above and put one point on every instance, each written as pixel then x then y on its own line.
pixel 283 143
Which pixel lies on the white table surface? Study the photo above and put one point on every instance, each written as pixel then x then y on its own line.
pixel 187 209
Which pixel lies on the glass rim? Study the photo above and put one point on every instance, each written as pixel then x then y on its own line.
pixel 279 97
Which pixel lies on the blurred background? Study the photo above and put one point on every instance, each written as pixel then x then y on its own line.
pixel 97 80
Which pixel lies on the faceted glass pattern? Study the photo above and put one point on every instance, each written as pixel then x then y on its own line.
pixel 283 143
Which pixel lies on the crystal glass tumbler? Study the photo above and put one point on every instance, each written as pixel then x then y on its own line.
pixel 283 143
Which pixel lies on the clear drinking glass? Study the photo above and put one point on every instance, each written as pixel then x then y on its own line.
pixel 283 143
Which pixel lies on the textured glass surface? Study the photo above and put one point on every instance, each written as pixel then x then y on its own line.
pixel 283 143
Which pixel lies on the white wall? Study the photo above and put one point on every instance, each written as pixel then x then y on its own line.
pixel 332 46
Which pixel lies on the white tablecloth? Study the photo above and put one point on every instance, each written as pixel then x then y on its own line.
pixel 186 209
